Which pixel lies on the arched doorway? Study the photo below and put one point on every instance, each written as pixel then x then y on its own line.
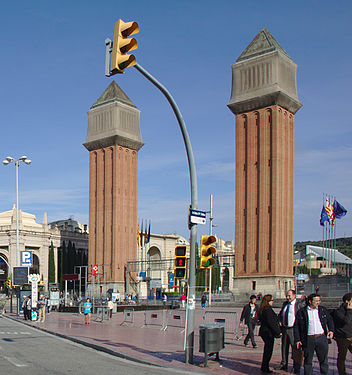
pixel 4 271
pixel 35 267
pixel 154 271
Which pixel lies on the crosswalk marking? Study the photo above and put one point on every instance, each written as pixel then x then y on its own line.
pixel 16 362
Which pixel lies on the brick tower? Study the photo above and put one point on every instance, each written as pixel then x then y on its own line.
pixel 113 141
pixel 264 100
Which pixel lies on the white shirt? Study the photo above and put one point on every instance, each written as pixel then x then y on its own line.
pixel 291 313
pixel 314 325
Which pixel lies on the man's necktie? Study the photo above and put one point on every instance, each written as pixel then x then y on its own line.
pixel 286 314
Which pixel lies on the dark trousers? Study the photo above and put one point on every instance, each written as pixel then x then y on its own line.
pixel 268 352
pixel 250 334
pixel 287 341
pixel 344 345
pixel 320 346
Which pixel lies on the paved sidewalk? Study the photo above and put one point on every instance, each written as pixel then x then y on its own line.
pixel 150 344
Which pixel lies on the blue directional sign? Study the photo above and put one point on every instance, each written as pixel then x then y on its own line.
pixel 27 258
pixel 171 280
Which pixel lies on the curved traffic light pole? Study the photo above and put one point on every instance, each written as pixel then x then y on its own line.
pixel 191 300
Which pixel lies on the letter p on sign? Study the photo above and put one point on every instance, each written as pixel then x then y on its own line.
pixel 26 258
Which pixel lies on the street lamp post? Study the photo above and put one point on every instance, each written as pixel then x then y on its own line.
pixel 7 161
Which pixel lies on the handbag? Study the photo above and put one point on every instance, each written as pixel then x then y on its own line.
pixel 298 355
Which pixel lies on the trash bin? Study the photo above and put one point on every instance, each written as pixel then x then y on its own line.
pixel 211 339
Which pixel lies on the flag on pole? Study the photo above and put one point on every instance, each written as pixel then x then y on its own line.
pixel 323 216
pixel 138 233
pixel 141 234
pixel 147 238
pixel 145 233
pixel 339 210
pixel 330 211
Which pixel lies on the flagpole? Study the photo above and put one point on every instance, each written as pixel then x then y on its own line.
pixel 324 260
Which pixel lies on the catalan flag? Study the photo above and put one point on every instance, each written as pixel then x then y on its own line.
pixel 138 233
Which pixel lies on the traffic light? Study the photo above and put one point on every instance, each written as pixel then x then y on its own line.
pixel 121 45
pixel 207 250
pixel 180 269
pixel 8 283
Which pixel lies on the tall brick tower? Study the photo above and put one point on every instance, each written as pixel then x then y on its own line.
pixel 264 100
pixel 113 141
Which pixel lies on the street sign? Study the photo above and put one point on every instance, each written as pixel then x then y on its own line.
pixel 26 258
pixel 20 276
pixel 197 217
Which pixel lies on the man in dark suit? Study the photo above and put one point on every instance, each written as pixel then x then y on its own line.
pixel 287 317
pixel 313 328
pixel 250 317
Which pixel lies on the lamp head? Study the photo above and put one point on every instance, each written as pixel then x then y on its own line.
pixel 5 162
pixel 27 161
pixel 9 159
pixel 23 158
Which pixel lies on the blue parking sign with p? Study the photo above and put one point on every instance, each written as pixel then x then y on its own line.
pixel 26 258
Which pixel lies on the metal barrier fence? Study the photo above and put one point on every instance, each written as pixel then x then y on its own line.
pixel 103 313
pixel 128 315
pixel 228 319
pixel 176 318
pixel 155 318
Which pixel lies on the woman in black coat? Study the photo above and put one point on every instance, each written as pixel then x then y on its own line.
pixel 269 329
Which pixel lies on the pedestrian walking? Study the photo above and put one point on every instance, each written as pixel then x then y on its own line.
pixel 343 331
pixel 41 309
pixel 287 317
pixel 110 306
pixel 87 311
pixel 183 300
pixel 203 300
pixel 269 330
pixel 312 329
pixel 249 316
pixel 164 299
pixel 29 308
pixel 24 308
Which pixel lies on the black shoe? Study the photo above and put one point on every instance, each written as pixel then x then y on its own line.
pixel 282 367
pixel 268 371
pixel 255 346
pixel 246 344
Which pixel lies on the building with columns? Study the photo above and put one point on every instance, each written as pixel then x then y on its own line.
pixel 264 101
pixel 36 237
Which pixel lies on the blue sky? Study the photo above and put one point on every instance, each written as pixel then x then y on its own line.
pixel 52 60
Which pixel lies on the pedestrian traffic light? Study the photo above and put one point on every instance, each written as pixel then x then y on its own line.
pixel 207 250
pixel 180 269
pixel 121 45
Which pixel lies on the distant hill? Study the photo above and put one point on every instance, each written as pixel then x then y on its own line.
pixel 344 245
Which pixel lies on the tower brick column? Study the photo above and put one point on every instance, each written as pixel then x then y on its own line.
pixel 264 100
pixel 113 141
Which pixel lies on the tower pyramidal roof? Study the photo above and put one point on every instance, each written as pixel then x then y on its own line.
pixel 263 43
pixel 113 93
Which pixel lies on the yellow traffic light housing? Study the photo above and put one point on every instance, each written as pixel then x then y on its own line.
pixel 122 44
pixel 207 250
pixel 180 270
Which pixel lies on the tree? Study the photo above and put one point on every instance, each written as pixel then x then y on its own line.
pixel 51 264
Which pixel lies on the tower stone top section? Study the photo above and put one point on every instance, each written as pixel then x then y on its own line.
pixel 113 120
pixel 264 75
